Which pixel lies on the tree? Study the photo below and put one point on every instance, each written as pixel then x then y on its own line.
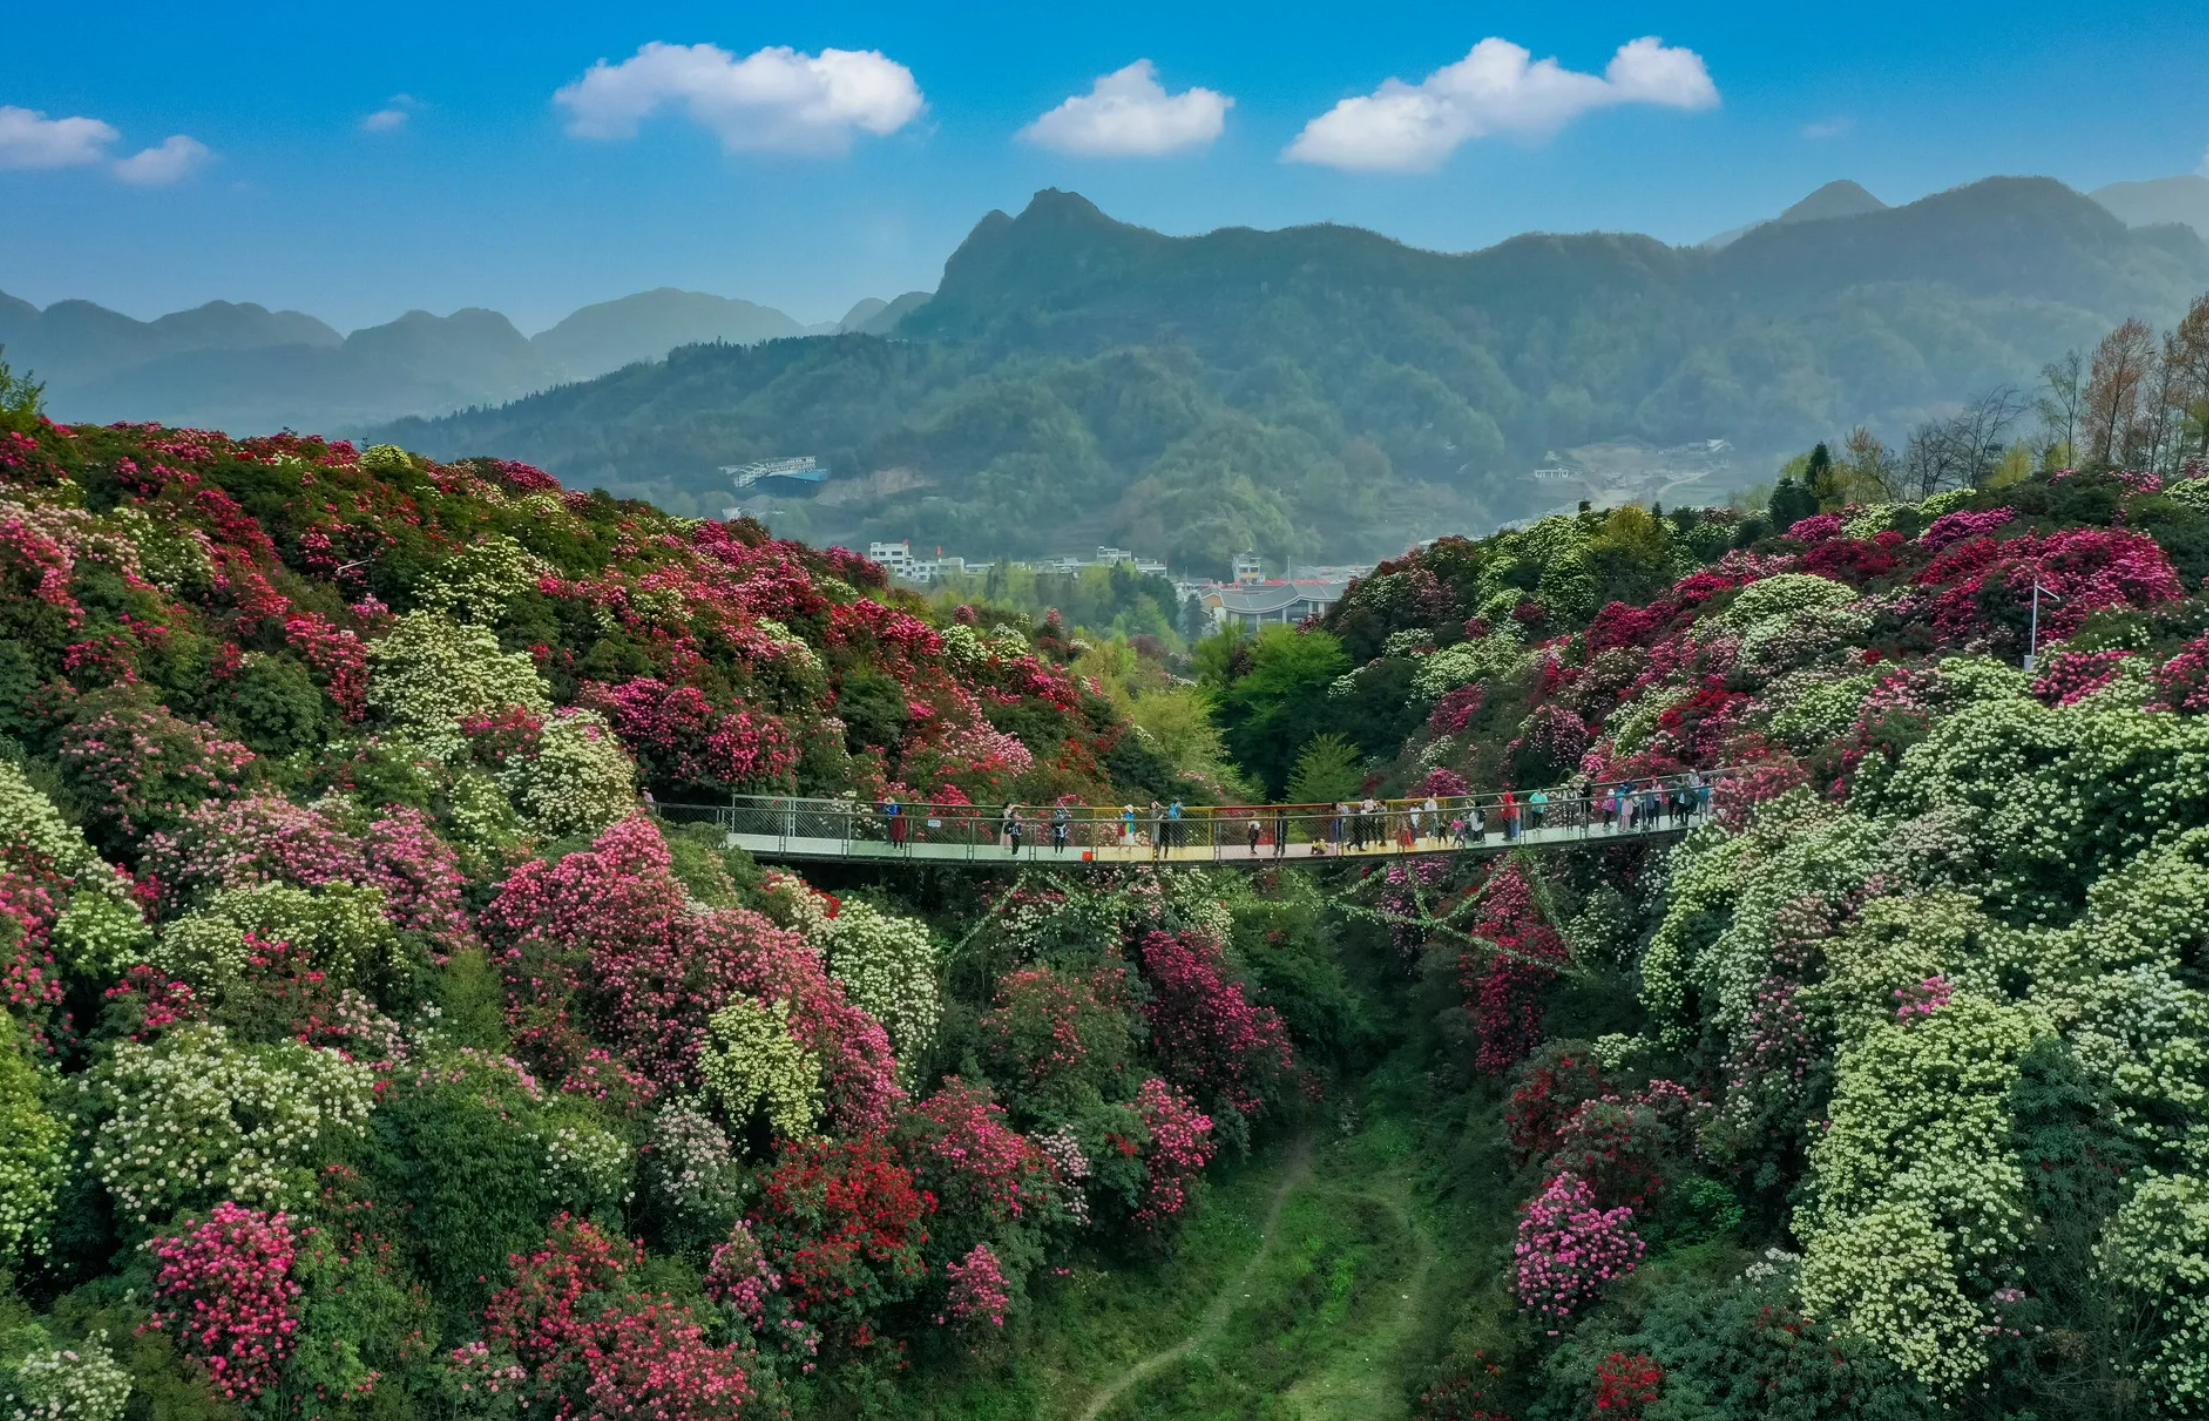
pixel 2188 350
pixel 1790 502
pixel 2112 401
pixel 1278 697
pixel 1963 450
pixel 22 399
pixel 1870 471
pixel 1328 771
pixel 1818 476
pixel 2060 408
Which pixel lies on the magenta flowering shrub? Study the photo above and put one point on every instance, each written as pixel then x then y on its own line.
pixel 1816 528
pixel 978 1292
pixel 258 839
pixel 418 872
pixel 1569 1250
pixel 1205 1029
pixel 1515 957
pixel 1456 709
pixel 1955 527
pixel 142 769
pixel 591 1349
pixel 2073 674
pixel 1984 586
pixel 2183 681
pixel 986 1177
pixel 1181 1145
pixel 223 1290
pixel 738 1278
pixel 682 739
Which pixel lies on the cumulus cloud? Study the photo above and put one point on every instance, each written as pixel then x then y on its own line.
pixel 29 139
pixel 177 158
pixel 1498 88
pixel 1127 113
pixel 775 100
pixel 1828 127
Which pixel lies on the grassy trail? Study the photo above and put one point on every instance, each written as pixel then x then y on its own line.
pixel 1323 1320
pixel 1296 1169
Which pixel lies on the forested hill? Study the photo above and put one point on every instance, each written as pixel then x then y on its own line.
pixel 1327 390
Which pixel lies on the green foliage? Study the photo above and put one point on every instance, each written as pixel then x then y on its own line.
pixel 276 706
pixel 22 400
pixel 459 1147
pixel 34 1153
pixel 1271 694
pixel 1328 770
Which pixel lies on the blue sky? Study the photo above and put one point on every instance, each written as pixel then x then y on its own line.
pixel 234 152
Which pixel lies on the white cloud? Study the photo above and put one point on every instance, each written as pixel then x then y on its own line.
pixel 773 99
pixel 392 116
pixel 29 139
pixel 1498 88
pixel 1828 127
pixel 177 158
pixel 1129 114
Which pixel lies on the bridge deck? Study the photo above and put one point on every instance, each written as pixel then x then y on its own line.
pixel 990 855
pixel 845 830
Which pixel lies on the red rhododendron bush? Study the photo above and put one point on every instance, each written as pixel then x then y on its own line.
pixel 376 1045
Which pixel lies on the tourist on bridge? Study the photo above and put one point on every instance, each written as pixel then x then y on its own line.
pixel 1434 815
pixel 1510 817
pixel 1651 799
pixel 1478 822
pixel 1013 828
pixel 1255 835
pixel 1127 826
pixel 1610 808
pixel 1701 789
pixel 1062 819
pixel 1537 808
pixel 1280 830
pixel 1173 824
pixel 1335 825
pixel 1158 829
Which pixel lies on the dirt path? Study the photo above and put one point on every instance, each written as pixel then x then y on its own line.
pixel 1223 1304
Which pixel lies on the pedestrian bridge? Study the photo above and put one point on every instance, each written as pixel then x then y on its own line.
pixel 793 829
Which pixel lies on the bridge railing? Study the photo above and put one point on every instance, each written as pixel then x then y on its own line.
pixel 850 828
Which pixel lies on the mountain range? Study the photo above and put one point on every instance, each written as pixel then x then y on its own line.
pixel 1311 391
pixel 1326 391
pixel 228 365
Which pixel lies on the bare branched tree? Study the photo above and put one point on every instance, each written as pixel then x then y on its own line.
pixel 2115 384
pixel 2061 402
pixel 1962 450
pixel 2189 349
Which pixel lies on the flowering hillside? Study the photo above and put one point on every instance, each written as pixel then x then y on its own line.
pixel 1884 1094
pixel 372 1048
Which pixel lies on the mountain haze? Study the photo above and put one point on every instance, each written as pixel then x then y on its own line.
pixel 2181 199
pixel 1326 390
pixel 242 366
pixel 1840 198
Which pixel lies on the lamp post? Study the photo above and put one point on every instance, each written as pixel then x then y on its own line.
pixel 2032 645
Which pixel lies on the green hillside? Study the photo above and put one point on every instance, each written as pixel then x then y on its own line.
pixel 1328 391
